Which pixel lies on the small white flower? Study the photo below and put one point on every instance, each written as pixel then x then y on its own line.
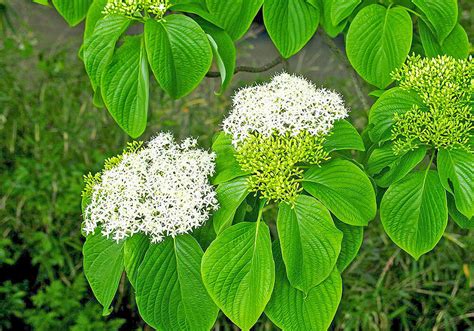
pixel 286 104
pixel 161 190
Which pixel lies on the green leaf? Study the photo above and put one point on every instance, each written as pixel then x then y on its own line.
pixel 387 168
pixel 342 9
pixel 461 220
pixel 442 15
pixel 134 251
pixel 344 189
pixel 414 212
pixel 170 293
pixel 178 52
pixel 197 7
pixel 351 243
pixel 326 20
pixel 230 196
pixel 42 2
pixel 456 171
pixel 93 16
pixel 227 167
pixel 239 272
pixel 290 24
pixel 73 11
pixel 234 16
pixel 456 43
pixel 395 100
pixel 291 309
pixel 343 136
pixel 310 242
pixel 103 267
pixel 224 52
pixel 99 47
pixel 125 86
pixel 377 93
pixel 378 42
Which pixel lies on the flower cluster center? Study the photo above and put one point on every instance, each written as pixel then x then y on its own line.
pixel 137 8
pixel 445 120
pixel 275 161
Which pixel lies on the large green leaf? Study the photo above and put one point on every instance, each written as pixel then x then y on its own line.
pixel 310 242
pixel 456 171
pixel 456 44
pixel 386 167
pixel 414 212
pixel 103 267
pixel 341 9
pixel 343 136
pixel 461 220
pixel 230 196
pixel 179 53
pixel 197 7
pixel 326 20
pixel 395 100
pixel 290 24
pixel 73 11
pixel 234 16
pixel 239 272
pixel 441 14
pixel 227 167
pixel 378 42
pixel 170 293
pixel 291 309
pixel 351 243
pixel 134 251
pixel 125 86
pixel 99 47
pixel 224 52
pixel 344 189
pixel 94 14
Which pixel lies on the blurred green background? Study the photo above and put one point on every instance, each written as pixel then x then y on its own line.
pixel 50 135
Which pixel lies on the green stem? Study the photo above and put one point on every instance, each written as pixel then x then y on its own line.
pixel 262 203
pixel 431 160
pixel 412 11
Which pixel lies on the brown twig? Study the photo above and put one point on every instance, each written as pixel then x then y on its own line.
pixel 266 67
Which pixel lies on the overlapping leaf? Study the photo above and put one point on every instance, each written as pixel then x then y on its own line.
pixel 103 267
pixel 290 24
pixel 378 42
pixel 239 272
pixel 414 212
pixel 344 189
pixel 310 242
pixel 169 289
pixel 125 86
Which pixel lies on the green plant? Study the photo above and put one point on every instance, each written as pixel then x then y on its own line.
pixel 304 128
pixel 428 115
pixel 179 47
pixel 305 170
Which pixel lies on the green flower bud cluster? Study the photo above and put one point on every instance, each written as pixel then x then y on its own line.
pixel 137 8
pixel 275 162
pixel 91 180
pixel 445 85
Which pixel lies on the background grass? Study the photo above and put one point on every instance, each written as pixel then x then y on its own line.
pixel 50 135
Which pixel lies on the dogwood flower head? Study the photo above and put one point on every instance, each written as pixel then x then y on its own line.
pixel 278 126
pixel 161 189
pixel 134 8
pixel 288 104
pixel 445 120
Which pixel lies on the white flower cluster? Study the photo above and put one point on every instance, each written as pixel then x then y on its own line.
pixel 161 190
pixel 288 104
